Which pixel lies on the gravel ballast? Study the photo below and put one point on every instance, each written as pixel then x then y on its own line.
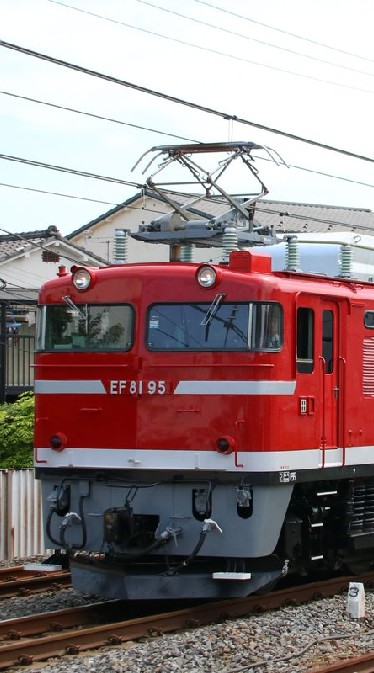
pixel 288 640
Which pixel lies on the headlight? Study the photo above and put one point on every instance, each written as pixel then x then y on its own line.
pixel 206 276
pixel 82 279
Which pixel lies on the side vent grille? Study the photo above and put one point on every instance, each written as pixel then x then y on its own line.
pixel 368 367
pixel 361 515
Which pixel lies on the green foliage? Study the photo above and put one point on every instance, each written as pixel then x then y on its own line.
pixel 17 432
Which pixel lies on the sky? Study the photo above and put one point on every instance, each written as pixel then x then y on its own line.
pixel 299 67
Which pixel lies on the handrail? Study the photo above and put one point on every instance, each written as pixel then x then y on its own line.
pixel 323 438
pixel 341 405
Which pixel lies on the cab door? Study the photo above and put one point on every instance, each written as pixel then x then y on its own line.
pixel 318 370
pixel 329 361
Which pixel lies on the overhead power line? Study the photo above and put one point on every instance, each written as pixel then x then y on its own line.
pixel 242 36
pixel 180 101
pixel 317 220
pixel 70 196
pixel 66 196
pixel 95 176
pixel 284 32
pixel 211 50
pixel 63 169
pixel 322 173
pixel 96 116
pixel 109 119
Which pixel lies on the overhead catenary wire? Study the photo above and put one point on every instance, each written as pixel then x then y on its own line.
pixel 180 101
pixel 72 171
pixel 63 169
pixel 284 32
pixel 216 51
pixel 322 173
pixel 157 131
pixel 97 116
pixel 66 196
pixel 316 220
pixel 241 35
pixel 83 198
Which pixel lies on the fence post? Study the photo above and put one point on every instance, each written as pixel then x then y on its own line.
pixel 9 534
pixel 3 341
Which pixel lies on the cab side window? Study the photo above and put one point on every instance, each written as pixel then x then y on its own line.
pixel 328 340
pixel 305 340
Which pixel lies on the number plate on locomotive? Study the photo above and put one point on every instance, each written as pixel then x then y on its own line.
pixel 137 387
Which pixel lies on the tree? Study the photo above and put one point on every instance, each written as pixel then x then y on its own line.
pixel 17 432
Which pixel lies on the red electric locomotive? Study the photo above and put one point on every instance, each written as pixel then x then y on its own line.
pixel 200 428
pixel 203 429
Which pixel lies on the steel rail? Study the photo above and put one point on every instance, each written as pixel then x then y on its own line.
pixel 362 664
pixel 19 581
pixel 75 641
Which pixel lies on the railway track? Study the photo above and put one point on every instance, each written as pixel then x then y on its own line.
pixel 36 638
pixel 18 581
pixel 363 664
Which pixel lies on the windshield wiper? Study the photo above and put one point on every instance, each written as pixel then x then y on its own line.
pixel 212 310
pixel 83 314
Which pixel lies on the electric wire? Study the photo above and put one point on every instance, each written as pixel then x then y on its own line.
pixel 66 196
pixel 96 116
pixel 317 220
pixel 72 171
pixel 284 32
pixel 109 119
pixel 180 101
pixel 71 196
pixel 244 37
pixel 141 186
pixel 214 51
pixel 322 173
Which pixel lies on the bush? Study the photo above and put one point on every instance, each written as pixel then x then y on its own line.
pixel 17 432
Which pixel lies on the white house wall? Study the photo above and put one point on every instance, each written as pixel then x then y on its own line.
pixel 29 271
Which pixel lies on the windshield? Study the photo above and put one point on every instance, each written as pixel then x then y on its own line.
pixel 90 327
pixel 235 326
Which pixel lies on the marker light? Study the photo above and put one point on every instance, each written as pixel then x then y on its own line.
pixel 225 444
pixel 82 279
pixel 58 441
pixel 206 276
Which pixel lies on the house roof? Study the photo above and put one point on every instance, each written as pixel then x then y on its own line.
pixel 281 216
pixel 14 245
pixel 303 218
pixel 19 295
pixel 109 213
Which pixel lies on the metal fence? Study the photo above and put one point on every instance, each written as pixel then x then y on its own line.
pixel 21 530
pixel 19 360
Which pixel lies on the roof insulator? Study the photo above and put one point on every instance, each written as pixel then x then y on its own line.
pixel 292 253
pixel 345 259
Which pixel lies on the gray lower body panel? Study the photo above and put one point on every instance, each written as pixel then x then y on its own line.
pixel 105 581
